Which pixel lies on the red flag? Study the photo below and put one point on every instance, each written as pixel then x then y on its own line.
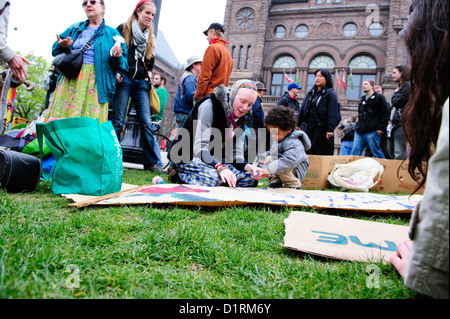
pixel 337 79
pixel 288 78
pixel 343 84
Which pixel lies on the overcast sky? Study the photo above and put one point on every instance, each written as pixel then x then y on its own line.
pixel 34 24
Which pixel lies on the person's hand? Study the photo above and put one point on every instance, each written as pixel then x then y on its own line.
pixel 228 177
pixel 329 135
pixel 119 78
pixel 17 66
pixel 261 173
pixel 65 43
pixel 380 132
pixel 401 259
pixel 257 172
pixel 116 50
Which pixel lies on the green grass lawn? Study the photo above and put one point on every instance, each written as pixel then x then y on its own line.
pixel 48 250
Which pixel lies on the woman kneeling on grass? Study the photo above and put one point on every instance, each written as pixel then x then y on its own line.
pixel 209 148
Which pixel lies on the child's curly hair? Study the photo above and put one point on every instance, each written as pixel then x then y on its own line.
pixel 282 117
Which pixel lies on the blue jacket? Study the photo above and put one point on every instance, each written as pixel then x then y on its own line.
pixel 258 114
pixel 185 102
pixel 106 67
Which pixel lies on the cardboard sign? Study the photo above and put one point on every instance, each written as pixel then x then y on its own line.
pixel 343 238
pixel 227 196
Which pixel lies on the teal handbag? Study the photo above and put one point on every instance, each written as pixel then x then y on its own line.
pixel 88 156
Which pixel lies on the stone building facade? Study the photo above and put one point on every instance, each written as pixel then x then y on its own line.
pixel 354 39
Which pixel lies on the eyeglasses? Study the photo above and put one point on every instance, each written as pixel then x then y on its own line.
pixel 92 2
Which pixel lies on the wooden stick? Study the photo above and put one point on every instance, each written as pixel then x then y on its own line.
pixel 92 201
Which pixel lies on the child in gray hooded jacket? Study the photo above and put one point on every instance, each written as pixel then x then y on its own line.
pixel 286 162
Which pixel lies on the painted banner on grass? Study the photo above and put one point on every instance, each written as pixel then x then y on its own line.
pixel 342 238
pixel 226 196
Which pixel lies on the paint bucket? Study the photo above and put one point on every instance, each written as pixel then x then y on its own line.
pixel 19 171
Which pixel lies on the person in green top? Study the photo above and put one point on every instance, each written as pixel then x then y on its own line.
pixel 159 81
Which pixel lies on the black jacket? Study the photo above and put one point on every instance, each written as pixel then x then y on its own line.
pixel 373 114
pixel 320 109
pixel 287 101
pixel 399 100
pixel 137 70
pixel 221 122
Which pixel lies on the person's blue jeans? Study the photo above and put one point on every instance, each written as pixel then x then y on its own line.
pixel 137 90
pixel 346 147
pixel 370 139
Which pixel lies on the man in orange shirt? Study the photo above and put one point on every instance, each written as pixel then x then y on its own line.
pixel 217 62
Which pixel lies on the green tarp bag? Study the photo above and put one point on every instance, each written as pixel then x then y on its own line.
pixel 88 156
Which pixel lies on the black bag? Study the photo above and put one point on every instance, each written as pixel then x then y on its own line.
pixel 69 63
pixel 19 172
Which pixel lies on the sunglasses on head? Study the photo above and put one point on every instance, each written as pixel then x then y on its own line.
pixel 92 2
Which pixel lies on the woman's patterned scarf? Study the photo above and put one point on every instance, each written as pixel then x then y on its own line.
pixel 140 39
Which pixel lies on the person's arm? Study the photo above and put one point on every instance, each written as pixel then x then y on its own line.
pixel 301 113
pixel 15 62
pixel 6 53
pixel 118 60
pixel 69 36
pixel 333 112
pixel 291 158
pixel 203 134
pixel 210 61
pixel 429 254
pixel 190 86
pixel 384 115
pixel 238 151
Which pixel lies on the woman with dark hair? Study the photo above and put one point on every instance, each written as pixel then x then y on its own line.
pixel 423 262
pixel 397 143
pixel 319 114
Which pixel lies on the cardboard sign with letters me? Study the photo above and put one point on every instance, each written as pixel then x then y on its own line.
pixel 343 238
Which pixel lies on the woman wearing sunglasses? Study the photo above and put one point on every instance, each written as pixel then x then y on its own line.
pixel 89 94
pixel 138 34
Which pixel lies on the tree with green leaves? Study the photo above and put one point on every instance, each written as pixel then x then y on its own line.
pixel 29 104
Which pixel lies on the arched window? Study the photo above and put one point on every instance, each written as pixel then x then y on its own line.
pixel 361 68
pixel 362 62
pixel 285 62
pixel 279 81
pixel 322 62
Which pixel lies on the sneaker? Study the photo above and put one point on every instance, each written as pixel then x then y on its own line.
pixel 156 168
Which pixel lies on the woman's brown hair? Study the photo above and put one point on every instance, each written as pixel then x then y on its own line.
pixel 427 42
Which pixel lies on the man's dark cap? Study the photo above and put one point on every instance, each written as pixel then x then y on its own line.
pixel 215 26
